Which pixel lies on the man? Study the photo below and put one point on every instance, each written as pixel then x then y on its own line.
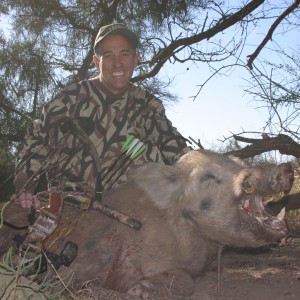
pixel 80 134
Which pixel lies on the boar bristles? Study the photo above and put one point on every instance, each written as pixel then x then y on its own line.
pixel 161 183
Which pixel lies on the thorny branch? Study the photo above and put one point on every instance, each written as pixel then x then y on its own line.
pixel 269 35
pixel 279 95
pixel 161 57
pixel 283 143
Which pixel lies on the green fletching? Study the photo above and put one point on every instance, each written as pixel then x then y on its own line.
pixel 136 148
pixel 133 147
pixel 127 143
pixel 141 150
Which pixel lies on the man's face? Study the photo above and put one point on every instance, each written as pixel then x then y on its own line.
pixel 116 63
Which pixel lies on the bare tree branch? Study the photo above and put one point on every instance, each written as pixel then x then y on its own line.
pixel 269 35
pixel 160 58
pixel 283 143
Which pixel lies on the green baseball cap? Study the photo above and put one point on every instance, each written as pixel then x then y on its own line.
pixel 117 28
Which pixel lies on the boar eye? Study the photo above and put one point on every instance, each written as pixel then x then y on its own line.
pixel 209 176
pixel 188 215
pixel 205 204
pixel 173 178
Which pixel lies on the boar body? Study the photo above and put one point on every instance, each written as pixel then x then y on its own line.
pixel 188 210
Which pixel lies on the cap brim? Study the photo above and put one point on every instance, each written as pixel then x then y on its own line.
pixel 124 32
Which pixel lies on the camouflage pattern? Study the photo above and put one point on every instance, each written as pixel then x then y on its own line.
pixel 107 120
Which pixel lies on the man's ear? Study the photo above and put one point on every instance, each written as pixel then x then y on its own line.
pixel 137 59
pixel 96 61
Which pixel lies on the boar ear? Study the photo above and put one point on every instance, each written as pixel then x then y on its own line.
pixel 161 183
pixel 282 178
pixel 243 183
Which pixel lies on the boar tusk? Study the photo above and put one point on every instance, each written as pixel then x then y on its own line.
pixel 260 221
pixel 246 206
pixel 281 215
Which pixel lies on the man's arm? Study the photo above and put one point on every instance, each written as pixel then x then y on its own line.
pixel 42 136
pixel 170 142
pixel 28 163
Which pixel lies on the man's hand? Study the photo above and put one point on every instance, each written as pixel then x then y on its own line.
pixel 25 200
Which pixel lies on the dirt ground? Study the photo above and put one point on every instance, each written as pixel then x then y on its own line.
pixel 260 274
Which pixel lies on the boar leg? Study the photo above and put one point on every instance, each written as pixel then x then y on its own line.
pixel 163 285
pixel 220 249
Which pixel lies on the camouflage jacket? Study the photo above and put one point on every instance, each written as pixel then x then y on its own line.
pixel 107 120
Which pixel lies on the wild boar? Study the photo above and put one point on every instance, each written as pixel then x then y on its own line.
pixel 187 211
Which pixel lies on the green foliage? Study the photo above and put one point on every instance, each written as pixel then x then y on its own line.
pixel 15 286
pixel 6 171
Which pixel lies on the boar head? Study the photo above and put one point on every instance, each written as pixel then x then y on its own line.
pixel 219 196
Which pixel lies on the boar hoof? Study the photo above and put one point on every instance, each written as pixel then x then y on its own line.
pixel 147 290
